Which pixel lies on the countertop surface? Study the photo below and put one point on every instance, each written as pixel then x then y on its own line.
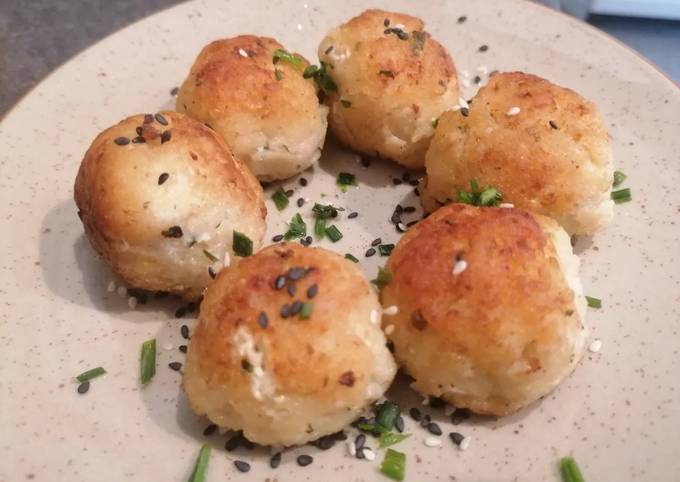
pixel 38 36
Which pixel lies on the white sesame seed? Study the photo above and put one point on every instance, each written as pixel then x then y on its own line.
pixel 465 82
pixel 227 259
pixel 351 448
pixel 402 226
pixel 463 103
pixel 168 346
pixel 506 205
pixel 112 286
pixel 132 302
pixel 595 346
pixel 375 317
pixel 459 267
pixel 389 329
pixel 433 442
pixel 399 26
pixel 299 27
pixel 513 111
pixel 242 53
pixel 391 310
pixel 122 291
pixel 368 454
pixel 465 443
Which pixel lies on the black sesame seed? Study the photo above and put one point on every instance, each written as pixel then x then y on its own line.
pixel 370 252
pixel 388 31
pixel 360 441
pixel 304 242
pixel 246 443
pixel 434 429
pixel 399 209
pixel 396 218
pixel 309 240
pixel 165 137
pixel 456 437
pixel 275 460
pixel 477 79
pixel 436 402
pixel 365 162
pixel 177 366
pixel 359 421
pixel 376 242
pixel 242 466
pixel 414 182
pixel 312 291
pixel 173 232
pixel 352 215
pixel 183 348
pixel 83 387
pixel 277 238
pixel 280 282
pixel 401 34
pixel 184 331
pixel 300 202
pixel 425 421
pixel 304 460
pixel 211 272
pixel 160 119
pixel 233 442
pixel 328 50
pixel 410 209
pixel 138 130
pixel 285 311
pixel 465 111
pixel 162 178
pixel 174 91
pixel 324 443
pixel 121 141
pixel 360 453
pixel 483 48
pixel 296 273
pixel 303 181
pixel 399 424
pixel 415 414
pixel 209 430
pixel 406 177
pixel 396 181
pixel 289 193
pixel 386 22
pixel 462 19
pixel 263 320
pixel 292 289
pixel 553 125
pixel 295 307
pixel 138 140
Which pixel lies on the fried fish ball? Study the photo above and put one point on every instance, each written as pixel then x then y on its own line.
pixel 490 307
pixel 288 346
pixel 161 198
pixel 266 111
pixel 543 146
pixel 393 81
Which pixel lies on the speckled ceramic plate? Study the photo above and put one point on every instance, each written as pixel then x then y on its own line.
pixel 618 414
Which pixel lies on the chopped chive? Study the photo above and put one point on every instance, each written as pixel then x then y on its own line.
pixel 306 311
pixel 394 464
pixel 242 245
pixel 277 74
pixel 346 103
pixel 201 467
pixel 383 279
pixel 353 259
pixel 321 77
pixel 387 414
pixel 372 427
pixel 90 374
pixel 320 227
pixel 391 438
pixel 333 233
pixel 281 55
pixel 296 228
pixel 619 177
pixel 148 361
pixel 346 179
pixel 594 302
pixel 621 196
pixel 489 196
pixel 435 123
pixel 210 256
pixel 310 71
pixel 325 211
pixel 280 199
pixel 570 471
pixel 385 249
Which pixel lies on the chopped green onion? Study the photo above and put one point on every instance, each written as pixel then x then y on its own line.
pixel 346 179
pixel 619 177
pixel 320 227
pixel 310 71
pixel 148 361
pixel 394 464
pixel 320 75
pixel 306 311
pixel 281 55
pixel 201 467
pixel 383 279
pixel 346 103
pixel 391 438
pixel 353 259
pixel 280 199
pixel 594 302
pixel 277 74
pixel 374 428
pixel 90 374
pixel 325 211
pixel 621 196
pixel 210 256
pixel 242 245
pixel 296 228
pixel 387 414
pixel 435 123
pixel 570 471
pixel 333 233
pixel 489 196
pixel 385 249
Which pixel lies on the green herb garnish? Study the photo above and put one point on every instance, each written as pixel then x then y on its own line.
pixel 621 196
pixel 619 177
pixel 383 279
pixel 201 467
pixel 210 256
pixel 277 74
pixel 280 199
pixel 391 438
pixel 394 464
pixel 325 211
pixel 333 233
pixel 90 374
pixel 148 361
pixel 373 428
pixel 570 471
pixel 281 55
pixel 296 228
pixel 242 245
pixel 320 75
pixel 489 196
pixel 346 103
pixel 320 227
pixel 387 413
pixel 306 311
pixel 594 302
pixel 435 123
pixel 353 259
pixel 385 249
pixel 346 179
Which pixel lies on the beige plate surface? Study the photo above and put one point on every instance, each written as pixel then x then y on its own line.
pixel 619 414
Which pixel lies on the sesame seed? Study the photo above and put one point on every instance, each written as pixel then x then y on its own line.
pixel 595 346
pixel 209 430
pixel 391 310
pixel 263 320
pixel 165 137
pixel 386 22
pixel 553 125
pixel 285 311
pixel 111 287
pixel 456 437
pixel 370 252
pixel 177 366
pixel 328 50
pixel 376 242
pixel 389 329
pixel 162 178
pixel 295 307
pixel 132 302
pixel 296 273
pixel 184 331
pixel 139 130
pixel 277 238
pixel 183 348
pixel 312 291
pixel 242 466
pixel 465 82
pixel 465 111
pixel 173 91
pixel 227 259
pixel 513 111
pixel 83 387
pixel 399 423
pixel 304 460
pixel 465 443
pixel 434 429
pixel 138 140
pixel 291 288
pixel 415 414
pixel 462 19
pixel 280 282
pixel 409 209
pixel 161 119
pixel 211 272
pixel 401 227
pixel 303 181
pixel 433 442
pixel 300 202
pixel 352 215
pixel 351 449
pixel 275 460
pixel 375 317
pixel 360 441
pixel 121 141
pixel 173 232
pixel 368 454
pixel 122 291
pixel 463 103
pixel 483 48
pixel 459 267
pixel 506 205
pixel 477 79
pixel 242 53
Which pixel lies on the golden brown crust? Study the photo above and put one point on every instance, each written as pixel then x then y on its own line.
pixel 125 210
pixel 511 304
pixel 552 158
